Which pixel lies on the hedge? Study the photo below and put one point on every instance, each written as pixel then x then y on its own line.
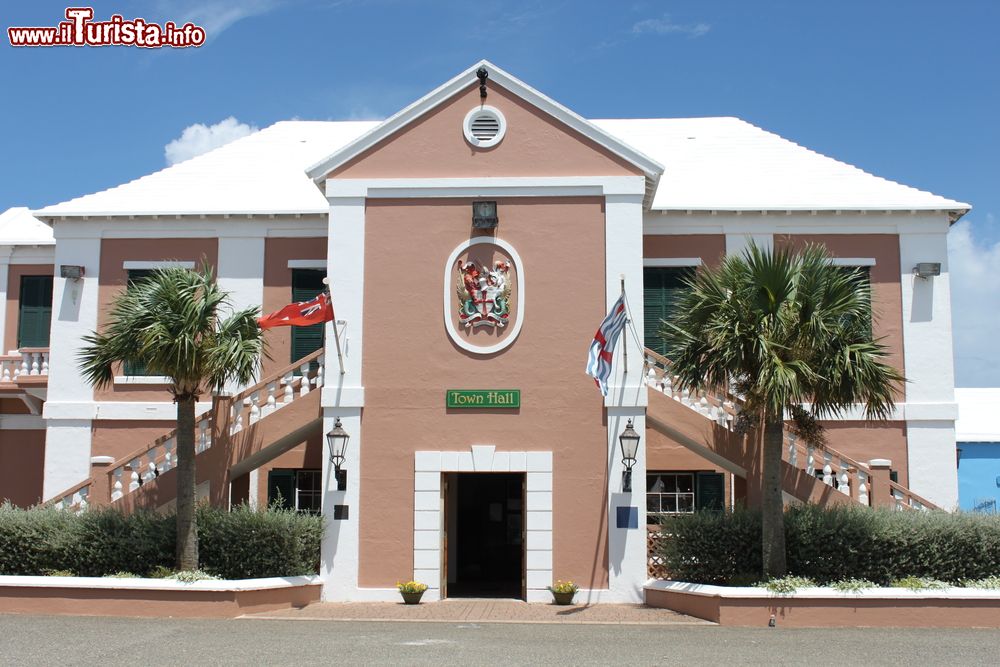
pixel 834 544
pixel 237 544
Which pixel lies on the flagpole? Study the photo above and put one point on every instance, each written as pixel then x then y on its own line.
pixel 336 329
pixel 625 338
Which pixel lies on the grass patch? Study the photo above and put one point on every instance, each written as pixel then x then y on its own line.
pixel 788 585
pixel 852 585
pixel 920 584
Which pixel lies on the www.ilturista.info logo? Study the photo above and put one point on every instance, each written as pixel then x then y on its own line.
pixel 81 30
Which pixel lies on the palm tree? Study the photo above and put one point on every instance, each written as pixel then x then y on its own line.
pixel 790 333
pixel 171 324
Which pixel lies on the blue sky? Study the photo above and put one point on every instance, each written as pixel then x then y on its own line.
pixel 909 91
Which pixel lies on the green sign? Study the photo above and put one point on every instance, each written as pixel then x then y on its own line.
pixel 483 398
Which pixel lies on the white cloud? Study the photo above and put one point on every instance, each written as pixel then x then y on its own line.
pixel 664 26
pixel 215 16
pixel 197 139
pixel 975 301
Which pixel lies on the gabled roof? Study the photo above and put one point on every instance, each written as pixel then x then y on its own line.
pixel 711 164
pixel 727 164
pixel 651 168
pixel 263 173
pixel 19 227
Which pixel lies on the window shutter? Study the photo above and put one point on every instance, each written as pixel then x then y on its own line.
pixel 306 283
pixel 35 311
pixel 710 491
pixel 134 276
pixel 661 289
pixel 281 488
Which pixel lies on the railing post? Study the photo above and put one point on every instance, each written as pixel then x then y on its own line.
pixel 880 493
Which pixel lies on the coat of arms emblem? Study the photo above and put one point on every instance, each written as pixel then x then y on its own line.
pixel 483 294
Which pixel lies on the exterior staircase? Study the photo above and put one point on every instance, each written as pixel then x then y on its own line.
pixel 704 423
pixel 238 434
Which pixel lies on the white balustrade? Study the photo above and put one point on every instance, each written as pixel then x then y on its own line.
pixel 827 469
pixel 271 403
pixel 253 400
pixel 304 384
pixel 151 471
pixel 289 393
pixel 862 487
pixel 793 452
pixel 133 483
pixel 844 479
pixel 116 485
pixel 168 455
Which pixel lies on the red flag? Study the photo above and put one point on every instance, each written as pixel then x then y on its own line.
pixel 302 314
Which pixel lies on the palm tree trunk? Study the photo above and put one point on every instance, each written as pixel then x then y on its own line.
pixel 187 528
pixel 772 505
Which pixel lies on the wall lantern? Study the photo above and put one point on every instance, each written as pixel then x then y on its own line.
pixel 71 272
pixel 629 440
pixel 927 270
pixel 336 440
pixel 484 214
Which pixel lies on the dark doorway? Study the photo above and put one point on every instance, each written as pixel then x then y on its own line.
pixel 486 536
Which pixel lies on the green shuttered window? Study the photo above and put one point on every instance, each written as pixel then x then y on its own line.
pixel 134 276
pixel 35 315
pixel 662 286
pixel 306 283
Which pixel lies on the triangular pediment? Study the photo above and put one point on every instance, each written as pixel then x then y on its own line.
pixel 542 138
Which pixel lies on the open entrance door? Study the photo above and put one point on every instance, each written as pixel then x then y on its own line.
pixel 484 535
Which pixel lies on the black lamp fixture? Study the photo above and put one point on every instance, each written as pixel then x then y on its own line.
pixel 336 440
pixel 484 215
pixel 482 75
pixel 629 441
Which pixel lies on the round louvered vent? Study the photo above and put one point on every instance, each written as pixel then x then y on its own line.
pixel 484 127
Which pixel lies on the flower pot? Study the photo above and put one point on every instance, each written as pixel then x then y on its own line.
pixel 563 598
pixel 412 598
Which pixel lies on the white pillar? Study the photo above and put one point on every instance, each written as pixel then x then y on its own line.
pixel 343 395
pixel 341 538
pixel 626 398
pixel 69 408
pixel 929 364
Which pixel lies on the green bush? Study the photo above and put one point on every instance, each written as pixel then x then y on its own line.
pixel 245 543
pixel 836 544
pixel 234 544
pixel 713 547
pixel 33 541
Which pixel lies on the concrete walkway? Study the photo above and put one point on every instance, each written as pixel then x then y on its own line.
pixel 484 611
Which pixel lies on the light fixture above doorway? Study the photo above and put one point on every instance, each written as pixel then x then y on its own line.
pixel 337 440
pixel 484 215
pixel 629 441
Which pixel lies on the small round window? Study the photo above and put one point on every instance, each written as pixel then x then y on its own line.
pixel 484 127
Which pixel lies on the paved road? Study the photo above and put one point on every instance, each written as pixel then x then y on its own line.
pixel 90 641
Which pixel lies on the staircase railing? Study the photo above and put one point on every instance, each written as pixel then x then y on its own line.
pixel 837 470
pixel 130 472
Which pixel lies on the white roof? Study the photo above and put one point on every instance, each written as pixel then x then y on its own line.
pixel 19 227
pixel 723 164
pixel 260 173
pixel 978 415
pixel 727 164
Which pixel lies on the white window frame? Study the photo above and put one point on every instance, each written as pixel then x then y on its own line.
pixel 676 494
